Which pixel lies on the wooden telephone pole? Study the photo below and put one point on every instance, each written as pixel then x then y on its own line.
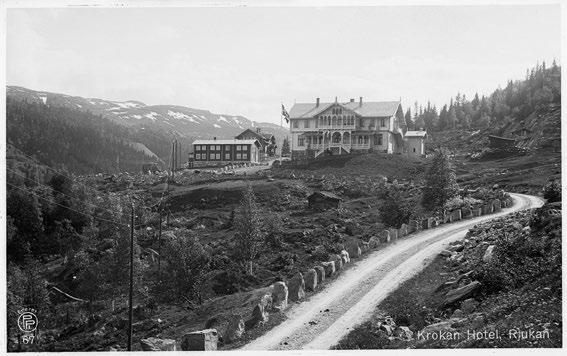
pixel 159 243
pixel 130 297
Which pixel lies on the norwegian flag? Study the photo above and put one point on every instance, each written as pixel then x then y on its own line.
pixel 285 114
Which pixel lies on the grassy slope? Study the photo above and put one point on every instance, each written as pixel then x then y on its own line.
pixel 284 198
pixel 525 171
pixel 528 296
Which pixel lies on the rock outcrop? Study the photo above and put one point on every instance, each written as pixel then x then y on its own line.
pixel 488 254
pixel 280 294
pixel 329 268
pixel 203 340
pixel 228 327
pixel 310 280
pixel 461 293
pixel 155 344
pixel 297 288
pixel 374 242
pixel 260 313
pixel 346 256
pixel 338 262
pixel 320 274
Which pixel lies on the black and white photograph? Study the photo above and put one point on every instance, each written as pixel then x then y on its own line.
pixel 293 176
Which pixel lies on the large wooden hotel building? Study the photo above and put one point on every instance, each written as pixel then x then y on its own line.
pixel 352 127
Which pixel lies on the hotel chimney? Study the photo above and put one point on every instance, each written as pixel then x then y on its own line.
pixel 317 105
pixel 360 104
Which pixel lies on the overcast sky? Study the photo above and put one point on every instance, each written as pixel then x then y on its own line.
pixel 247 60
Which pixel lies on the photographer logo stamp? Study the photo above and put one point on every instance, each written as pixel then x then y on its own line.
pixel 27 322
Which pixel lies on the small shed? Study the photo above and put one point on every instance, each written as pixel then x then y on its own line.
pixel 323 201
pixel 501 142
pixel 415 142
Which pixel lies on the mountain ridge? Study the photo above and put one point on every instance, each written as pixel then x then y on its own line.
pixel 180 121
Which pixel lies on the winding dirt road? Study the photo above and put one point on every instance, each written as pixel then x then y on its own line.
pixel 320 322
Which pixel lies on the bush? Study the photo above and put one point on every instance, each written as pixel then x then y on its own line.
pixel 187 262
pixel 366 336
pixel 394 211
pixel 521 256
pixel 273 234
pixel 552 191
pixel 458 203
pixel 407 310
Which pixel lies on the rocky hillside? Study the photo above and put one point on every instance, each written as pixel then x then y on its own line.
pixel 499 287
pixel 540 131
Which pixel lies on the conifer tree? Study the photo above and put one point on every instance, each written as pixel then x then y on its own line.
pixel 440 182
pixel 248 236
pixel 285 147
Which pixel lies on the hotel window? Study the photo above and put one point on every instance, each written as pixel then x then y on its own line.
pixel 197 156
pixel 301 142
pixel 238 147
pixel 365 139
pixel 380 140
pixel 295 124
pixel 239 156
pixel 306 124
pixel 227 156
pixel 197 147
pixel 218 148
pixel 244 147
pixel 245 156
pixel 383 122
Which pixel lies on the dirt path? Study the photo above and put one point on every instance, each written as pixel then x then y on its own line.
pixel 320 322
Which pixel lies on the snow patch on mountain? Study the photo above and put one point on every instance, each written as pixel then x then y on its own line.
pixel 152 116
pixel 180 116
pixel 217 126
pixel 126 104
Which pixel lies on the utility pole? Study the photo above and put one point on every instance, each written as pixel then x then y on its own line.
pixel 172 159
pixel 130 311
pixel 159 244
pixel 178 155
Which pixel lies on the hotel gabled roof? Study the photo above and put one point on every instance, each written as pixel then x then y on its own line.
pixel 367 109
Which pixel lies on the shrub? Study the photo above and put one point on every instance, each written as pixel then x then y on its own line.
pixel 395 211
pixel 407 310
pixel 552 191
pixel 366 337
pixel 187 262
pixel 273 234
pixel 521 257
pixel 458 203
